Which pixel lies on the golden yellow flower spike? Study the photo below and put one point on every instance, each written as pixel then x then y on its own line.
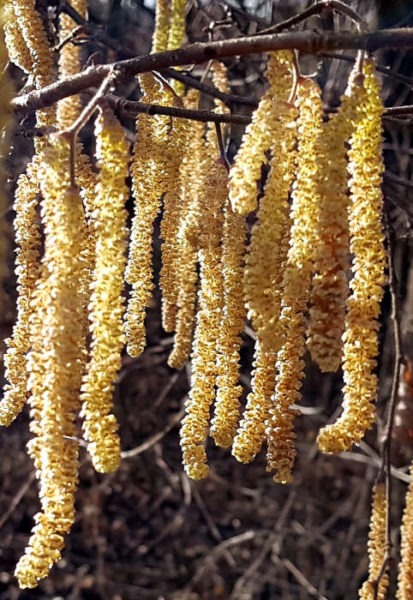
pixel 18 51
pixel 297 278
pixel 226 411
pixel 162 18
pixel 148 186
pixel 176 34
pixel 58 350
pixel 332 263
pixel 106 304
pixel 264 273
pixel 377 547
pixel 204 369
pixel 192 178
pixel 34 36
pixel 258 136
pixel 367 247
pixel 69 108
pixel 405 574
pixel 28 272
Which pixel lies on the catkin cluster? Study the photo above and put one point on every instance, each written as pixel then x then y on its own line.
pixel 310 274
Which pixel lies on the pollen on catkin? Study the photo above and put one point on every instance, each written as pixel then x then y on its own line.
pixel 147 171
pixel 162 18
pixel 16 46
pixel 405 574
pixel 246 170
pixel 194 427
pixel 57 350
pixel 106 306
pixel 176 32
pixel 296 284
pixel 368 266
pixel 376 547
pixel 329 289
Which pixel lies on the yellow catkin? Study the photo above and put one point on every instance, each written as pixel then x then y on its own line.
pixel 297 279
pixel 27 271
pixel 171 219
pixel 226 411
pixel 148 186
pixel 332 263
pixel 162 18
pixel 264 271
pixel 35 38
pixel 405 573
pixel 18 51
pixel 176 34
pixel 106 303
pixel 69 108
pixel 192 178
pixel 55 364
pixel 204 370
pixel 369 259
pixel 377 547
pixel 246 170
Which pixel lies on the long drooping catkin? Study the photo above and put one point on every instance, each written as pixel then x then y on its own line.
pixel 297 278
pixel 367 247
pixel 377 548
pixel 106 304
pixel 405 575
pixel 55 364
pixel 329 290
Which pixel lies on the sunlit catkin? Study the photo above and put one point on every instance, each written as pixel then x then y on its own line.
pixel 372 589
pixel 147 187
pixel 297 278
pixel 405 574
pixel 27 237
pixel 57 351
pixel 246 170
pixel 16 46
pixel 332 262
pixel 69 108
pixel 367 247
pixel 204 368
pixel 106 304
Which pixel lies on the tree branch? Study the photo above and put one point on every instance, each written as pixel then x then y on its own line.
pixel 312 42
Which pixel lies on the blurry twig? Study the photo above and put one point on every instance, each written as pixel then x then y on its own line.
pixel 17 499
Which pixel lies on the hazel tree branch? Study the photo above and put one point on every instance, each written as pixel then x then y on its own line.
pixel 312 42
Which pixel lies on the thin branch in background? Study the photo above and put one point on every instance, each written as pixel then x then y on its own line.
pixel 385 471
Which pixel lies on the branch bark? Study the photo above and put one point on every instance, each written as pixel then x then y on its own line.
pixel 312 42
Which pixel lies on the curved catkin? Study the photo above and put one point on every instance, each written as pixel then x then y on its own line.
pixel 377 547
pixel 58 350
pixel 226 410
pixel 369 259
pixel 297 279
pixel 69 108
pixel 106 304
pixel 329 290
pixel 246 170
pixel 147 186
pixel 27 236
pixel 204 370
pixel 405 574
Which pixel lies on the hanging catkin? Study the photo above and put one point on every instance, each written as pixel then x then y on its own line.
pixel 367 247
pixel 332 263
pixel 55 364
pixel 106 304
pixel 297 278
pixel 264 268
pixel 162 18
pixel 377 548
pixel 204 370
pixel 405 574
pixel 258 137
